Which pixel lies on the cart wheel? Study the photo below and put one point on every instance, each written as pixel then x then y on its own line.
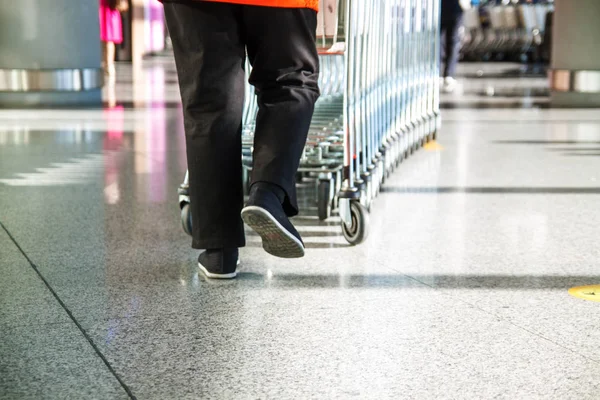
pixel 359 230
pixel 186 218
pixel 324 199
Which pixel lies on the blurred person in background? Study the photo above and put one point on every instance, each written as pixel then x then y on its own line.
pixel 111 31
pixel 451 22
pixel 211 40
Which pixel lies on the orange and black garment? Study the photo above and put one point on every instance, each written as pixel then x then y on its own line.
pixel 314 4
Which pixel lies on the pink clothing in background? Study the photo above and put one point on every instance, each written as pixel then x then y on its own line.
pixel 110 24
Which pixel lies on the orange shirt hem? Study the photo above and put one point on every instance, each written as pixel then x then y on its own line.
pixel 314 4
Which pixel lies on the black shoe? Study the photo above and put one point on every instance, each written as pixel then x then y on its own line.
pixel 264 213
pixel 219 263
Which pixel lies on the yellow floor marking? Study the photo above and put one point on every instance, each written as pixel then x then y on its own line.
pixel 433 146
pixel 591 292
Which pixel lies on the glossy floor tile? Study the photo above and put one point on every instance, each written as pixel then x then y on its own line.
pixel 24 298
pixel 460 291
pixel 43 354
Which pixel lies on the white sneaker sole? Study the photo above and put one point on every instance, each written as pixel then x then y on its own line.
pixel 212 275
pixel 276 240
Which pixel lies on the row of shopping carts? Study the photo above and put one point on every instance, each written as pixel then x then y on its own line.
pixel 511 28
pixel 379 103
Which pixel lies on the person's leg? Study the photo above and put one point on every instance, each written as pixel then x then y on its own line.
pixel 443 51
pixel 104 54
pixel 110 58
pixel 448 44
pixel 209 54
pixel 285 69
pixel 452 46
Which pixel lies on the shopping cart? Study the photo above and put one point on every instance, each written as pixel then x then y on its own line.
pixel 515 29
pixel 379 103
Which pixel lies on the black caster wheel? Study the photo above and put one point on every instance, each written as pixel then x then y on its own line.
pixel 358 231
pixel 186 218
pixel 324 199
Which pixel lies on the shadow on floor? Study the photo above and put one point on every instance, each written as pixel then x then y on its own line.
pixel 470 105
pixel 309 245
pixel 490 190
pixel 501 282
pixel 525 71
pixel 547 142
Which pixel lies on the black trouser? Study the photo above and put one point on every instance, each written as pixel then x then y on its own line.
pixel 450 40
pixel 210 41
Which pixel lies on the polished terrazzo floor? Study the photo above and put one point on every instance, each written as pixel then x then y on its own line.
pixel 459 293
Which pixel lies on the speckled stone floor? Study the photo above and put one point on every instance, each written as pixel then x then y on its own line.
pixel 459 293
